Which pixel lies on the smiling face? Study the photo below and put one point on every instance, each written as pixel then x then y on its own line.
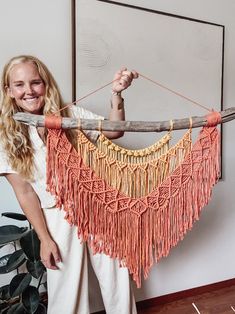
pixel 26 87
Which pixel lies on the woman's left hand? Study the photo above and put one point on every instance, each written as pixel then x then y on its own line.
pixel 123 79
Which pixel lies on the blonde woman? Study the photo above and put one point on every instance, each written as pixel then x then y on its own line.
pixel 27 85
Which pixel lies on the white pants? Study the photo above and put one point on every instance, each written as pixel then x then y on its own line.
pixel 68 286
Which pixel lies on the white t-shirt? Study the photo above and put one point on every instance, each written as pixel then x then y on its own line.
pixel 47 200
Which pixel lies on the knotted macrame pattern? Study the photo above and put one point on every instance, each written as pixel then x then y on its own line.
pixel 136 231
pixel 133 172
pixel 133 156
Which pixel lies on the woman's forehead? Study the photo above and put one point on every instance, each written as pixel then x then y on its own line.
pixel 23 70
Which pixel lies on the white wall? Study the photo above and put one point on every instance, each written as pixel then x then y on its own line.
pixel 41 29
pixel 207 253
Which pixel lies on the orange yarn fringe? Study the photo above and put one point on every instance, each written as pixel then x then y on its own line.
pixel 136 231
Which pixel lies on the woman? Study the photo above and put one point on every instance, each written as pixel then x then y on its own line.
pixel 28 86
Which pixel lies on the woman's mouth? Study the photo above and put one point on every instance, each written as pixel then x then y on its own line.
pixel 31 99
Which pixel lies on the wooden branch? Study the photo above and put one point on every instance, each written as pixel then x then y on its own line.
pixel 130 126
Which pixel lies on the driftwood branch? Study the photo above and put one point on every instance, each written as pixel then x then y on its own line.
pixel 129 126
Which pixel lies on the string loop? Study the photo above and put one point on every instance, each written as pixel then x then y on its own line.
pixel 53 122
pixel 100 126
pixel 190 123
pixel 213 118
pixel 147 78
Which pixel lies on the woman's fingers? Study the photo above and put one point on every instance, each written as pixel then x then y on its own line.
pixel 131 74
pixel 50 255
pixel 50 264
pixel 56 255
pixel 123 79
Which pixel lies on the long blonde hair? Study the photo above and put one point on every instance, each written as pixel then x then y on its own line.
pixel 15 135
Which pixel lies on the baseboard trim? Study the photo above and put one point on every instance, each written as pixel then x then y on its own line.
pixel 181 294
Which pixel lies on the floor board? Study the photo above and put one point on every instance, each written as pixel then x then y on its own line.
pixel 215 302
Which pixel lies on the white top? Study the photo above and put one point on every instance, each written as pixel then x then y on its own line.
pixel 39 185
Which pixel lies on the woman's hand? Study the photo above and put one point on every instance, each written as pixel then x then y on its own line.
pixel 122 80
pixel 50 254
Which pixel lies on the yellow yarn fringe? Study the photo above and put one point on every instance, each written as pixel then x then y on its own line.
pixel 134 173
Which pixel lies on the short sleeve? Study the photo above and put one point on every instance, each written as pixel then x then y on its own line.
pixel 4 165
pixel 82 113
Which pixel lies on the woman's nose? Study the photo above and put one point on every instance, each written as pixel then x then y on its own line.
pixel 28 89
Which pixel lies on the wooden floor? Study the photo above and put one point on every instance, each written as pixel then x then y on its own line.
pixel 219 301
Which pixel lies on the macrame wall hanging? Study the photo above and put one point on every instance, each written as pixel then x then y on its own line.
pixel 136 230
pixel 133 205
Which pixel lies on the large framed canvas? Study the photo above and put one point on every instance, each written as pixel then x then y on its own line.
pixel 185 55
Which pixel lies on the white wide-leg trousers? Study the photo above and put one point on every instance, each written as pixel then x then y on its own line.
pixel 68 286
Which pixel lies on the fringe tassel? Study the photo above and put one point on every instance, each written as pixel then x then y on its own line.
pixel 136 231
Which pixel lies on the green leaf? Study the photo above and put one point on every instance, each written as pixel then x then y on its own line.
pixel 30 299
pixel 3 262
pixel 4 292
pixel 19 283
pixel 31 245
pixel 41 309
pixel 15 216
pixel 35 268
pixel 11 233
pixel 16 260
pixel 16 309
pixel 4 308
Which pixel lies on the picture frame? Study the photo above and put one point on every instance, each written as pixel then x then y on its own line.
pixel 183 54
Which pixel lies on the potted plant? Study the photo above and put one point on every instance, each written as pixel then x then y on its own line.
pixel 22 294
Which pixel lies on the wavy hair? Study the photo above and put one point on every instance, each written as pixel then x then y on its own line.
pixel 15 135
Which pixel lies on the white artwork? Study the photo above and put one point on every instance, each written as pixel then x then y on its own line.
pixel 183 54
